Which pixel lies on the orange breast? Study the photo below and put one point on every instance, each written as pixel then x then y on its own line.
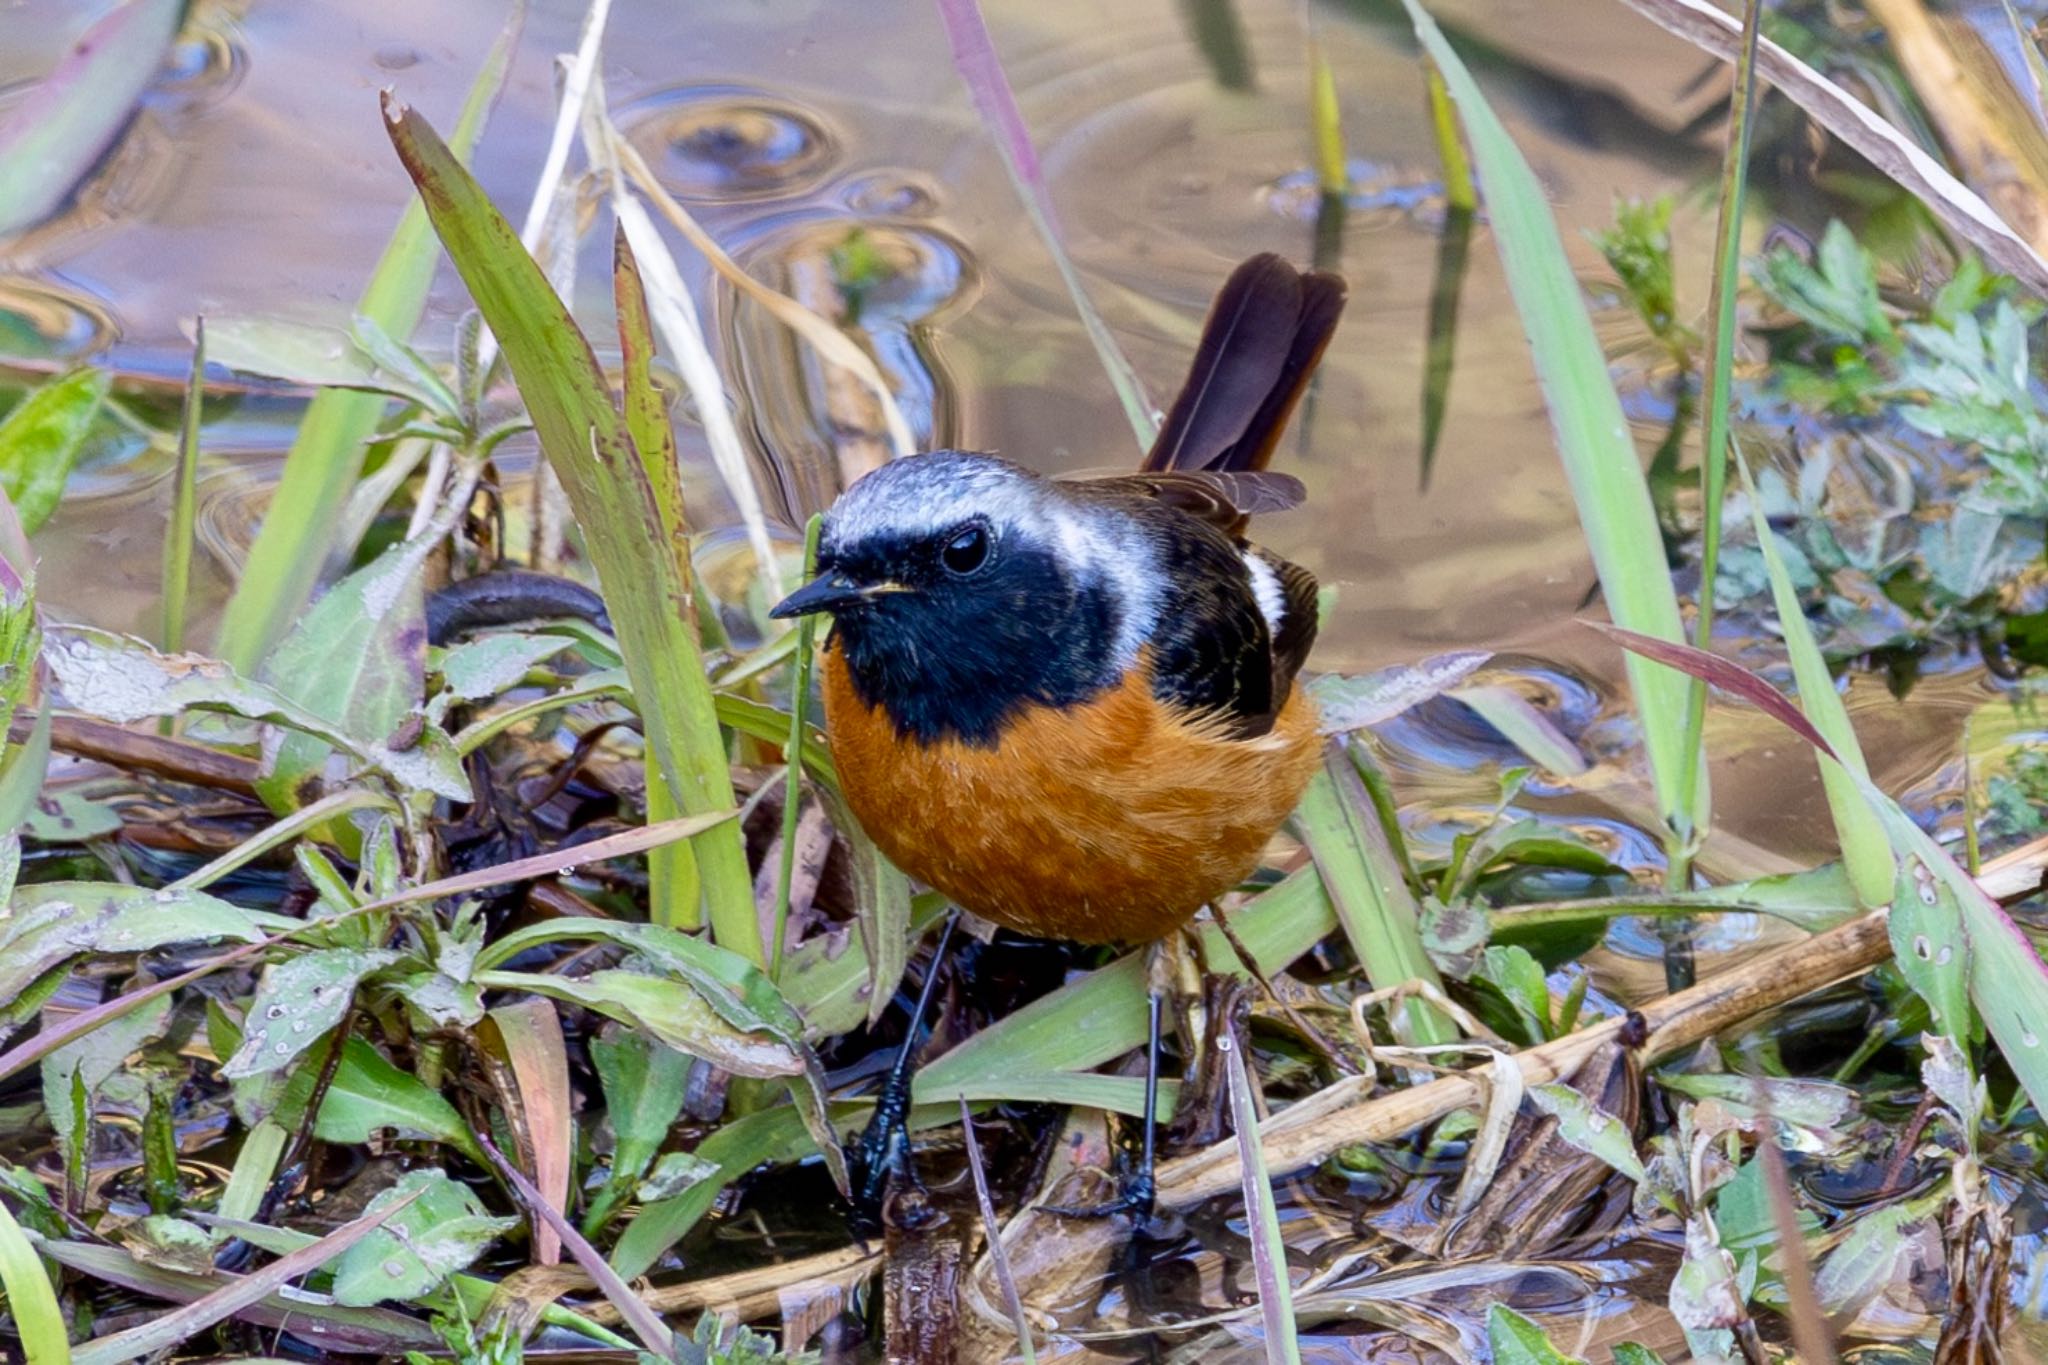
pixel 1108 822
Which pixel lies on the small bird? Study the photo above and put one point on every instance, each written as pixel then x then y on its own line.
pixel 1071 706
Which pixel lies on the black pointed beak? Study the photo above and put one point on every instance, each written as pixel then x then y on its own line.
pixel 828 592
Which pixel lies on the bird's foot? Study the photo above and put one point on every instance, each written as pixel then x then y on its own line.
pixel 1137 1197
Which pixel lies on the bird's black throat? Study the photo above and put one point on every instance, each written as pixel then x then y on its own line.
pixel 957 660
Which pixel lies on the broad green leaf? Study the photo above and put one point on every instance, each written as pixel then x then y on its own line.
pixel 81 1067
pixel 52 922
pixel 368 1094
pixel 68 816
pixel 52 138
pixel 296 1003
pixel 491 664
pixel 1929 943
pixel 305 353
pixel 356 660
pixel 586 442
pixel 326 456
pixel 443 1230
pixel 1517 1341
pixel 1589 1128
pixel 122 679
pixel 670 1010
pixel 1632 1353
pixel 1749 1233
pixel 1880 1247
pixel 829 979
pixel 41 438
pixel 171 1243
pixel 1357 701
pixel 1600 460
pixel 1519 977
pixel 675 1174
pixel 644 1085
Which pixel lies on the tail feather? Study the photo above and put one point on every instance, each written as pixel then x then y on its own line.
pixel 1264 334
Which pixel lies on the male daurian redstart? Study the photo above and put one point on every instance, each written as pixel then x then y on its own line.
pixel 1070 706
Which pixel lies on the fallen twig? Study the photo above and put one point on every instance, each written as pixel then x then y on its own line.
pixel 1675 1022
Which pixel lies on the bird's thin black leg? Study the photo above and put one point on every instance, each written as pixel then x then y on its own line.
pixel 1141 1192
pixel 884 1146
pixel 1137 1190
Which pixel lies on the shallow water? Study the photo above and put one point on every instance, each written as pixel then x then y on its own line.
pixel 258 179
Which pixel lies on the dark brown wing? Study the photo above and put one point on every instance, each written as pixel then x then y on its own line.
pixel 1223 498
pixel 1265 332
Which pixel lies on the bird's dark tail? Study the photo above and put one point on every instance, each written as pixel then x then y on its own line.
pixel 1264 334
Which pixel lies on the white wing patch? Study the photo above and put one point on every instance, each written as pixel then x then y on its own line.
pixel 1266 588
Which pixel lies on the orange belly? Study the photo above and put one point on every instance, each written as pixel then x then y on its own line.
pixel 1108 822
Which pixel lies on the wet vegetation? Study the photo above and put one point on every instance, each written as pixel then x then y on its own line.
pixel 405 958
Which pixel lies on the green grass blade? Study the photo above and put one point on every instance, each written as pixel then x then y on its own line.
pixel 326 456
pixel 1365 882
pixel 1269 1246
pixel 1720 369
pixel 1866 850
pixel 177 587
pixel 674 892
pixel 589 447
pixel 1326 121
pixel 793 786
pixel 1600 461
pixel 31 1300
pixel 1102 1015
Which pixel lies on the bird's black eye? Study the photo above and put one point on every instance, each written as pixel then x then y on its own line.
pixel 966 549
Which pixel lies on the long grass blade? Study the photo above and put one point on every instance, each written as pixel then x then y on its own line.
pixel 674 894
pixel 997 1252
pixel 177 588
pixel 675 317
pixel 1364 880
pixel 974 57
pixel 1269 1245
pixel 1720 369
pixel 793 783
pixel 1600 461
pixel 31 1300
pixel 590 449
pixel 1866 851
pixel 326 456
